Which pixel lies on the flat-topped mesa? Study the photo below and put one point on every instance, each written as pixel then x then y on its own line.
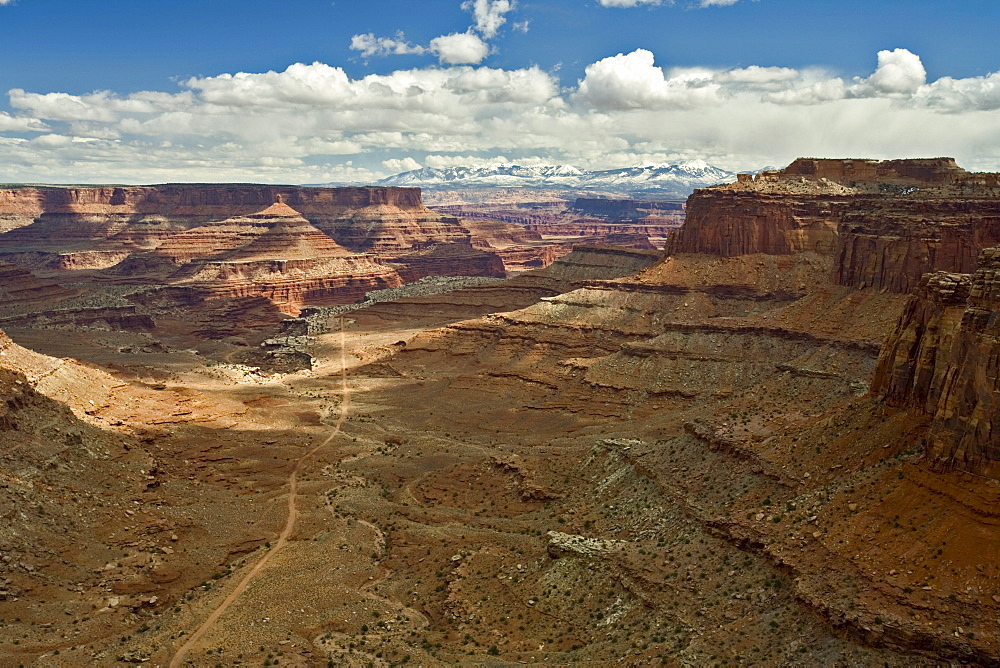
pixel 943 360
pixel 624 209
pixel 885 223
pixel 455 259
pixel 387 230
pixel 908 172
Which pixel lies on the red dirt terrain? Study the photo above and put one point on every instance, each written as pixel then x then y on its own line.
pixel 735 454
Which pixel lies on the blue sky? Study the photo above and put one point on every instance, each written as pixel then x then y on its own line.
pixel 130 91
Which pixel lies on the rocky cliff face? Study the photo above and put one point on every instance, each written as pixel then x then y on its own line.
pixel 885 223
pixel 21 291
pixel 915 361
pixel 891 242
pixel 735 221
pixel 943 360
pixel 387 229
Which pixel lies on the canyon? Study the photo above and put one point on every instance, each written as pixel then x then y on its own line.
pixel 609 220
pixel 769 442
pixel 289 245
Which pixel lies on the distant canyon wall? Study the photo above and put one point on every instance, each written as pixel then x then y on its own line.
pixel 209 199
pixel 288 244
pixel 365 219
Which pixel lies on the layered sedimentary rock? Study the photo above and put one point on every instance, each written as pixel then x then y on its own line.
pixel 720 375
pixel 885 223
pixel 59 221
pixel 388 229
pixel 732 221
pixel 582 265
pixel 644 224
pixel 487 233
pixel 197 199
pixel 624 209
pixel 289 262
pixel 232 241
pixel 890 243
pixel 943 360
pixel 21 291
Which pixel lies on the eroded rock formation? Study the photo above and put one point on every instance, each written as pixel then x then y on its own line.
pixel 454 259
pixel 943 360
pixel 661 459
pixel 23 292
pixel 289 262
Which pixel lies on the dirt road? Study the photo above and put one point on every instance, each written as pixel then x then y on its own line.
pixel 286 532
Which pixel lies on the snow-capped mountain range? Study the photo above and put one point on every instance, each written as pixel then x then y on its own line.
pixel 664 179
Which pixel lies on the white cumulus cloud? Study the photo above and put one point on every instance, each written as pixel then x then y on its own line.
pixel 10 123
pixel 460 48
pixel 958 95
pixel 396 166
pixel 633 81
pixel 765 78
pixel 899 73
pixel 468 48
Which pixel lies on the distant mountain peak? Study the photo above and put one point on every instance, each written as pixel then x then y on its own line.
pixel 664 179
pixel 695 165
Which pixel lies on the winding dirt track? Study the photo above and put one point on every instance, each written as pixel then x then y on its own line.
pixel 286 532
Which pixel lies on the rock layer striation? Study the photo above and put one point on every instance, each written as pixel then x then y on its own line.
pixel 290 263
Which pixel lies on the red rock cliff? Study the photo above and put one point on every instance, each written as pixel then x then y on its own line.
pixel 731 222
pixel 885 223
pixel 943 360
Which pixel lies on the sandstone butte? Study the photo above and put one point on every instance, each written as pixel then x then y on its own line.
pixel 772 445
